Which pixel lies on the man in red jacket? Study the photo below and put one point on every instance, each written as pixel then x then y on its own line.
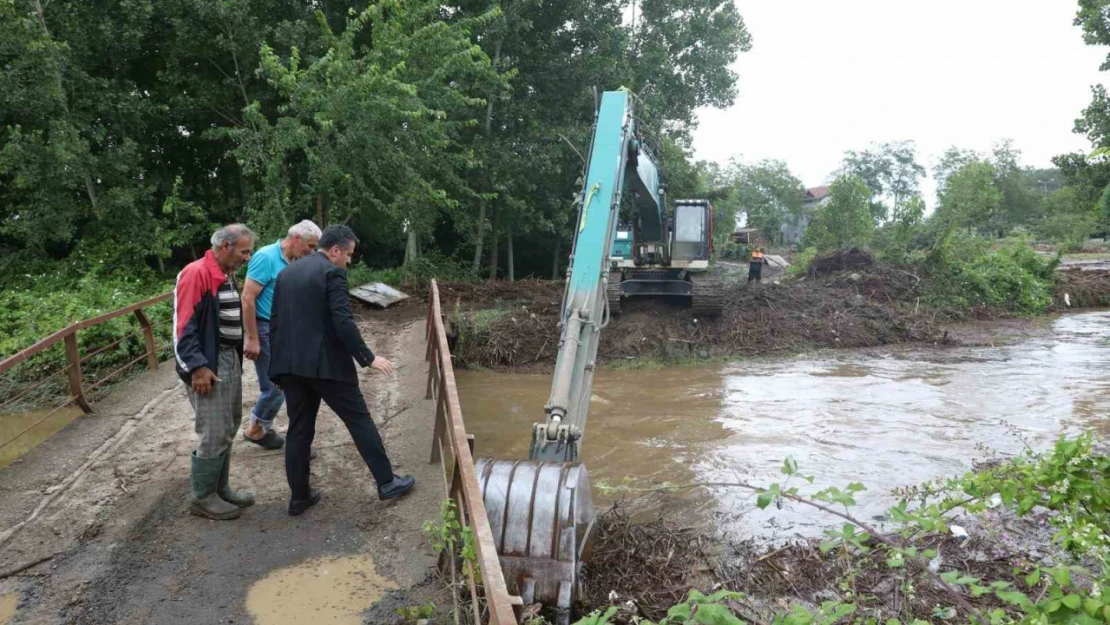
pixel 208 350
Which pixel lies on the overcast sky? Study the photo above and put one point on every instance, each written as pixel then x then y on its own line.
pixel 825 76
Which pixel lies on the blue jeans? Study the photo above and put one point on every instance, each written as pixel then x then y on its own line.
pixel 270 398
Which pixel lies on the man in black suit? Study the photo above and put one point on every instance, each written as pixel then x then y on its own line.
pixel 314 346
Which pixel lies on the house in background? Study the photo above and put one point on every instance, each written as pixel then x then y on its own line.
pixel 749 236
pixel 794 226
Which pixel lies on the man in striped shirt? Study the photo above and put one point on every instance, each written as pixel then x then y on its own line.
pixel 208 349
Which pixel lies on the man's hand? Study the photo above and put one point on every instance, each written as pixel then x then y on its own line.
pixel 203 379
pixel 251 349
pixel 383 365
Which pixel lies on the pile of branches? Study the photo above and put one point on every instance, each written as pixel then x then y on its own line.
pixel 842 260
pixel 652 564
pixel 1084 289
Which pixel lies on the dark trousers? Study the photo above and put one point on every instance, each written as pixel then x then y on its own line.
pixel 755 272
pixel 302 397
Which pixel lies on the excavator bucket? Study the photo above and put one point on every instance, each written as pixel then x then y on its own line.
pixel 542 517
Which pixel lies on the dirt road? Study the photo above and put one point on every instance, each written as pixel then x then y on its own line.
pixel 94 526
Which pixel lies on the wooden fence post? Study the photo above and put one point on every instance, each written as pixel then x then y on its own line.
pixel 148 334
pixel 73 371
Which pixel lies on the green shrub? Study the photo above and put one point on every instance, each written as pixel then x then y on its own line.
pixel 35 305
pixel 419 271
pixel 800 265
pixel 966 274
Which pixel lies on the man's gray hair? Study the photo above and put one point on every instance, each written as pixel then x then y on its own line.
pixel 306 230
pixel 230 234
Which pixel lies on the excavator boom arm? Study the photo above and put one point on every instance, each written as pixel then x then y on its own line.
pixel 617 166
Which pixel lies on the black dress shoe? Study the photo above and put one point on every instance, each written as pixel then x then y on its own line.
pixel 298 506
pixel 399 487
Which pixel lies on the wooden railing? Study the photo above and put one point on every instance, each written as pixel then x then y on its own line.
pixel 460 479
pixel 78 392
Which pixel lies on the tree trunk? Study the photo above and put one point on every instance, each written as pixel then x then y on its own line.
pixel 493 242
pixel 555 257
pixel 486 132
pixel 412 246
pixel 321 217
pixel 509 243
pixel 481 236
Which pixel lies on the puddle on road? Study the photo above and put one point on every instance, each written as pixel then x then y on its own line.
pixel 321 590
pixel 11 425
pixel 8 604
pixel 885 420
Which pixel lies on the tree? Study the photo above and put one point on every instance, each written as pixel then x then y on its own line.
pixel 369 127
pixel 890 170
pixel 71 121
pixel 949 163
pixel 971 200
pixel 845 220
pixel 1019 203
pixel 768 192
pixel 1066 219
pixel 674 56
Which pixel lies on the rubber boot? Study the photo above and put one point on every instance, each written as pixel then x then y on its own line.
pixel 206 480
pixel 241 498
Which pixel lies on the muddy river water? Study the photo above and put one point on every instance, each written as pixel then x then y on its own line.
pixel 886 420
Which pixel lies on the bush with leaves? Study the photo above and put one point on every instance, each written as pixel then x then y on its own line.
pixel 41 298
pixel 964 274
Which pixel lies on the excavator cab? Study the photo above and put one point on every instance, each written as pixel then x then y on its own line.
pixel 692 240
pixel 675 267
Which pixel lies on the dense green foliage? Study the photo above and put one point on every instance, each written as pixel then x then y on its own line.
pixel 438 131
pixel 129 130
pixel 965 273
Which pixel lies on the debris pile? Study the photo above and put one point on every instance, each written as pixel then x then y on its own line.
pixel 645 568
pixel 852 259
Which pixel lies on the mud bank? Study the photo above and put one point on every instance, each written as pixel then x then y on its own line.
pixel 514 326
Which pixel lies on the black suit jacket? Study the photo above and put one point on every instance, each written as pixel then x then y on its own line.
pixel 312 334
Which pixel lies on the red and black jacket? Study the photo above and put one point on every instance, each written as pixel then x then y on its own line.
pixel 196 317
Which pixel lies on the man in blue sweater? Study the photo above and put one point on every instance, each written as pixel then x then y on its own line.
pixel 258 297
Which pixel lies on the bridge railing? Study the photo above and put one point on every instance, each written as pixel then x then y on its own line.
pixel 453 447
pixel 56 383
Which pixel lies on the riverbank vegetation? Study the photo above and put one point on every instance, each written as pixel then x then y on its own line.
pixel 1018 540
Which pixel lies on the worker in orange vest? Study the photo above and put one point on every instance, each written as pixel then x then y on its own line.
pixel 755 268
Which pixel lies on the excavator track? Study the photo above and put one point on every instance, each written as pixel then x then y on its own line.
pixel 613 293
pixel 707 296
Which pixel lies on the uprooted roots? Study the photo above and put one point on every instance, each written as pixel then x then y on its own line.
pixel 653 564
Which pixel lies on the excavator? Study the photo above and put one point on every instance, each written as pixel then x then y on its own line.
pixel 541 509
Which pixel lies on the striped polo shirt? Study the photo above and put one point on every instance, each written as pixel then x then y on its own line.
pixel 231 313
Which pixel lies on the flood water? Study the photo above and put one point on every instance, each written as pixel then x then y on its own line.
pixel 15 437
pixel 884 420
